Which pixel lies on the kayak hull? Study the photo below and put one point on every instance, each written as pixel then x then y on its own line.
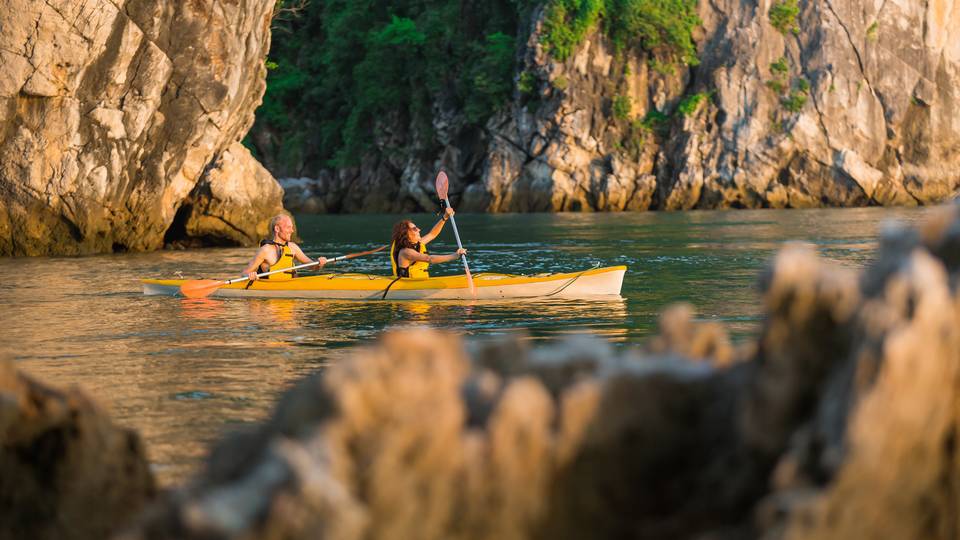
pixel 489 286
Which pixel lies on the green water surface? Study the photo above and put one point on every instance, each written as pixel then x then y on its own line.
pixel 181 371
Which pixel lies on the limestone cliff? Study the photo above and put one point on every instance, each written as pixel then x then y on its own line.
pixel 113 113
pixel 848 104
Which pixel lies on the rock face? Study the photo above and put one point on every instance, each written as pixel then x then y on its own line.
pixel 877 125
pixel 839 422
pixel 230 203
pixel 114 113
pixel 854 105
pixel 66 471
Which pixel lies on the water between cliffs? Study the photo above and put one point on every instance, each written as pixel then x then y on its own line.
pixel 182 371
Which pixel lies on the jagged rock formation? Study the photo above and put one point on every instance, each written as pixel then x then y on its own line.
pixel 66 471
pixel 228 206
pixel 856 107
pixel 839 422
pixel 113 113
pixel 878 126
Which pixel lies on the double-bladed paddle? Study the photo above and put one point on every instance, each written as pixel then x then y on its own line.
pixel 201 288
pixel 443 184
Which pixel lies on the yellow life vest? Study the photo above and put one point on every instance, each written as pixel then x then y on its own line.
pixel 416 270
pixel 284 260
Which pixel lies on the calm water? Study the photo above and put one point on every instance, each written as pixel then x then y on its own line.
pixel 182 371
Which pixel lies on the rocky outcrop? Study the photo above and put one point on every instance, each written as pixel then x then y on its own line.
pixel 854 104
pixel 229 205
pixel 66 471
pixel 865 116
pixel 113 114
pixel 839 422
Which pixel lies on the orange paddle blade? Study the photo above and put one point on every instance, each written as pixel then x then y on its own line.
pixel 200 288
pixel 442 184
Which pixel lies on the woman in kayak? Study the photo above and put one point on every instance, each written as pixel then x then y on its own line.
pixel 408 250
pixel 278 252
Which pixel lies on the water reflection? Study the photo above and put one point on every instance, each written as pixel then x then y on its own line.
pixel 280 312
pixel 201 308
pixel 182 370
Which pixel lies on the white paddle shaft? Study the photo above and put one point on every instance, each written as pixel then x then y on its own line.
pixel 442 184
pixel 456 234
pixel 292 268
pixel 304 265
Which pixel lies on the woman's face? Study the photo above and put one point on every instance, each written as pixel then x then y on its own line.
pixel 413 233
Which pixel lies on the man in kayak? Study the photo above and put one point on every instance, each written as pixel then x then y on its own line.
pixel 408 250
pixel 278 252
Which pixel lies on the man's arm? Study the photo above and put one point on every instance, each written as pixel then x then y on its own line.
pixel 302 257
pixel 251 270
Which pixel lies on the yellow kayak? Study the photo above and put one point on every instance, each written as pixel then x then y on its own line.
pixel 489 286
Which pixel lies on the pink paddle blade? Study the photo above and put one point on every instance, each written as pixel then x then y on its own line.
pixel 442 185
pixel 199 288
pixel 473 288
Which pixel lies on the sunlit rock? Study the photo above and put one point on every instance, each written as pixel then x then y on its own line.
pixel 231 204
pixel 112 114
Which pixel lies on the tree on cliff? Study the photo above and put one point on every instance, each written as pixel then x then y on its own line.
pixel 347 73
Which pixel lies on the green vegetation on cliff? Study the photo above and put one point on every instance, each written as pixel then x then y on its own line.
pixel 783 16
pixel 344 68
pixel 346 74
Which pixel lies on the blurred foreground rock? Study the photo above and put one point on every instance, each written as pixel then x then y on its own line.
pixel 840 422
pixel 66 471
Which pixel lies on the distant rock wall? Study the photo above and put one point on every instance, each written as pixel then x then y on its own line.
pixel 856 106
pixel 840 421
pixel 114 113
pixel 878 124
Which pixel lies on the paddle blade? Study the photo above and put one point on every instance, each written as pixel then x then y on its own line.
pixel 199 288
pixel 473 288
pixel 442 184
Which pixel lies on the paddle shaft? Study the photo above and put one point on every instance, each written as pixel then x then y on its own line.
pixel 306 265
pixel 292 268
pixel 456 234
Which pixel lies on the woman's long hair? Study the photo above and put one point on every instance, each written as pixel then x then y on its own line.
pixel 400 237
